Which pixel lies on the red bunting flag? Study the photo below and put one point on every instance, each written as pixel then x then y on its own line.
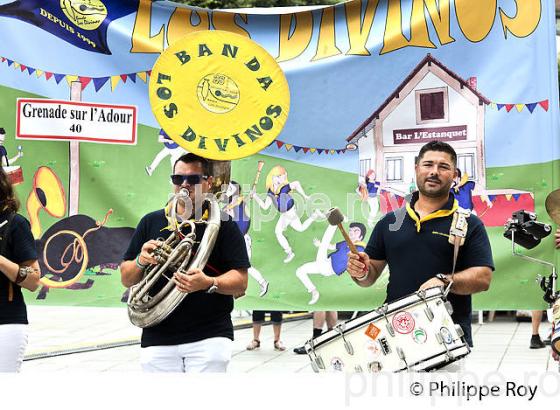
pixel 279 143
pixel 48 75
pixel 85 81
pixel 509 107
pixel 544 104
pixel 124 77
pixel 22 67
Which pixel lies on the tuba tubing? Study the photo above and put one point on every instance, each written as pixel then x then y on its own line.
pixel 161 305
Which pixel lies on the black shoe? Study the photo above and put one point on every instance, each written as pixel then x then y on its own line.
pixel 536 342
pixel 300 350
pixel 547 340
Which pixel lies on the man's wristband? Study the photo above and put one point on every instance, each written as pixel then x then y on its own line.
pixel 140 265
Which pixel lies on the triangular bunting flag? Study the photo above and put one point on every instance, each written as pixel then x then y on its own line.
pixel 114 81
pixel 39 73
pixel 22 67
pixel 16 65
pixel 289 146
pixel 10 62
pixel 491 197
pixel 531 107
pixel 297 149
pixel 149 72
pixel 142 75
pixel 508 197
pixel 279 143
pixel 85 81
pixel 132 77
pixel 544 104
pixel 509 107
pixel 519 107
pixel 484 198
pixel 493 106
pixel 305 149
pixel 332 151
pixel 59 77
pixel 516 196
pixel 99 82
pixel 500 106
pixel 48 75
pixel 70 79
pixel 30 70
pixel 338 151
pixel 123 78
pixel 312 150
pixel 2 59
pixel 319 151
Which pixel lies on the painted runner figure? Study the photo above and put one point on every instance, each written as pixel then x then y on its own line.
pixel 237 209
pixel 333 263
pixel 279 195
pixel 170 148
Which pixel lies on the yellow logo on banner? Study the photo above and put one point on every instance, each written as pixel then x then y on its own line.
pixel 86 14
pixel 219 95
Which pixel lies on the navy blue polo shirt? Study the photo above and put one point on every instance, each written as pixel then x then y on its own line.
pixel 418 249
pixel 200 315
pixel 20 247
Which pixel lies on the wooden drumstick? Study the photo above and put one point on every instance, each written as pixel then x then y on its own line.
pixel 336 218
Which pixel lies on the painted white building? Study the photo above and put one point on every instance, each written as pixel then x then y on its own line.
pixel 432 103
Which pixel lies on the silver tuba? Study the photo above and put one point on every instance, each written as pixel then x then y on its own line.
pixel 174 254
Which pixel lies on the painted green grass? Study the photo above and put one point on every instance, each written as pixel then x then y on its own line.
pixel 113 177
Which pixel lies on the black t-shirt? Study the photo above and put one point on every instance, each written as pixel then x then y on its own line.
pixel 416 252
pixel 20 247
pixel 200 315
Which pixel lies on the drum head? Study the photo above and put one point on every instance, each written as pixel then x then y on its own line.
pixel 552 205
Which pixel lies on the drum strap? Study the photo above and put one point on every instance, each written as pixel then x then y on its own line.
pixel 457 234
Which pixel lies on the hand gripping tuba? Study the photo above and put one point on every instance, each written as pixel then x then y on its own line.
pixel 145 309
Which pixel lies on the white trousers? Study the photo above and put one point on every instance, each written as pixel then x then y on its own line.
pixel 206 356
pixel 13 341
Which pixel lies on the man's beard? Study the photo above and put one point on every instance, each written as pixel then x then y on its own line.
pixel 442 192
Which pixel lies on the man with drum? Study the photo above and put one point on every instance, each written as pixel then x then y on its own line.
pixel 415 241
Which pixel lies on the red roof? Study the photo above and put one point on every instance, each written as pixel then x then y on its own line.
pixel 426 60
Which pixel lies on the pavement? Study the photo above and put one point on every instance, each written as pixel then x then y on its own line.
pixel 86 339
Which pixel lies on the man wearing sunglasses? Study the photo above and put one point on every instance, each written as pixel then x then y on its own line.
pixel 197 336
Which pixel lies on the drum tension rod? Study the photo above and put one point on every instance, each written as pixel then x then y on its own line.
pixel 382 310
pixel 316 361
pixel 340 330
pixel 449 356
pixel 428 311
pixel 402 356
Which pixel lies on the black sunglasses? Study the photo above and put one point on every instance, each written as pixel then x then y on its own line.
pixel 191 179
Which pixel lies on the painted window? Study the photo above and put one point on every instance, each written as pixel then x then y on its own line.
pixel 432 105
pixel 394 169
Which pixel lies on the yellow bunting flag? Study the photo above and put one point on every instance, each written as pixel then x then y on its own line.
pixel 114 81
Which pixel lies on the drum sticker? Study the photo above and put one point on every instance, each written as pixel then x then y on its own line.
pixel 337 364
pixel 385 348
pixel 446 334
pixel 419 335
pixel 372 331
pixel 375 367
pixel 403 322
pixel 373 350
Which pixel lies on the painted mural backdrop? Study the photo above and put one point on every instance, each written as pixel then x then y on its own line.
pixel 370 82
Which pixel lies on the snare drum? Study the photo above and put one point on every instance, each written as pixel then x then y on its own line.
pixel 555 338
pixel 15 174
pixel 414 333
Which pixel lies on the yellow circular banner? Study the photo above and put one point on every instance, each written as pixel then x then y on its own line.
pixel 219 95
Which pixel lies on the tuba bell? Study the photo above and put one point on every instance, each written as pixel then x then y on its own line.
pixel 174 254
